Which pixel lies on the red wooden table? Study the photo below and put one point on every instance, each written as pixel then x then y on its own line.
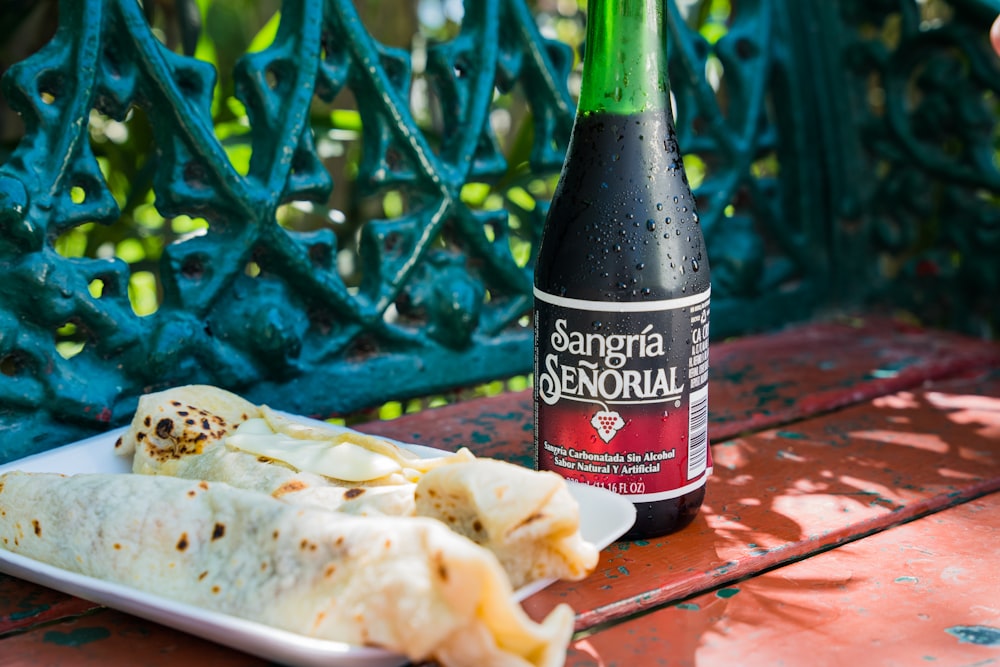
pixel 851 519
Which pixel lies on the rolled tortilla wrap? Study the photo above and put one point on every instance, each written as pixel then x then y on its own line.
pixel 409 585
pixel 183 432
pixel 527 518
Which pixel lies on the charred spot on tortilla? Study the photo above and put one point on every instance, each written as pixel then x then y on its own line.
pixel 189 422
pixel 202 575
pixel 117 546
pixel 329 571
pixel 477 526
pixel 140 436
pixel 183 543
pixel 353 493
pixel 176 404
pixel 291 486
pixel 183 413
pixel 37 527
pixel 275 535
pixel 164 427
pixel 442 570
pixel 534 517
pixel 148 420
pixel 218 531
pixel 118 442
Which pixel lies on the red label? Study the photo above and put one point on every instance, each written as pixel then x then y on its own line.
pixel 621 394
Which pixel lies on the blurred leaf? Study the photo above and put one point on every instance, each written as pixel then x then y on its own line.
pixel 130 250
pixel 142 293
pixel 265 36
pixel 475 194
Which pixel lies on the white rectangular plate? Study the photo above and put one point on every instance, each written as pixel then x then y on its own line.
pixel 604 517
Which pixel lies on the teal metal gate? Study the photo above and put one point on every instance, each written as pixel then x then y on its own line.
pixel 311 237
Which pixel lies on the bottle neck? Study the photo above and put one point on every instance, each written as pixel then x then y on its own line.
pixel 625 57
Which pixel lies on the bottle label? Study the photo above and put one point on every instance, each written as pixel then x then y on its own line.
pixel 621 393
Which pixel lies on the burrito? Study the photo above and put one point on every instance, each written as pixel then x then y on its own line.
pixel 527 518
pixel 409 585
pixel 203 432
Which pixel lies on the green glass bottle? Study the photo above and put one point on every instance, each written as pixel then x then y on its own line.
pixel 622 287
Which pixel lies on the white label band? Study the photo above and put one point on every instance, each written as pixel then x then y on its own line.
pixel 668 495
pixel 623 306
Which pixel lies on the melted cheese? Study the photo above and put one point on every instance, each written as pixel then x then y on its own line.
pixel 340 460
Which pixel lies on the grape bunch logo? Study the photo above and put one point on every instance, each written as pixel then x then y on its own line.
pixel 607 424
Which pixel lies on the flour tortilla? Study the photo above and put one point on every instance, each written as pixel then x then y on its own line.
pixel 527 518
pixel 409 585
pixel 182 432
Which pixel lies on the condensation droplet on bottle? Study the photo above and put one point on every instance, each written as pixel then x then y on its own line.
pixel 646 291
pixel 694 265
pixel 640 266
pixel 618 247
pixel 659 206
pixel 667 220
pixel 596 325
pixel 651 225
pixel 676 199
pixel 617 93
pixel 696 217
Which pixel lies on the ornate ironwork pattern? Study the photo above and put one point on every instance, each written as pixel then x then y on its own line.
pixel 742 114
pixel 439 301
pixel 439 290
pixel 922 86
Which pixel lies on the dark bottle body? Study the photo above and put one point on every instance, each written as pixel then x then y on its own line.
pixel 621 314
